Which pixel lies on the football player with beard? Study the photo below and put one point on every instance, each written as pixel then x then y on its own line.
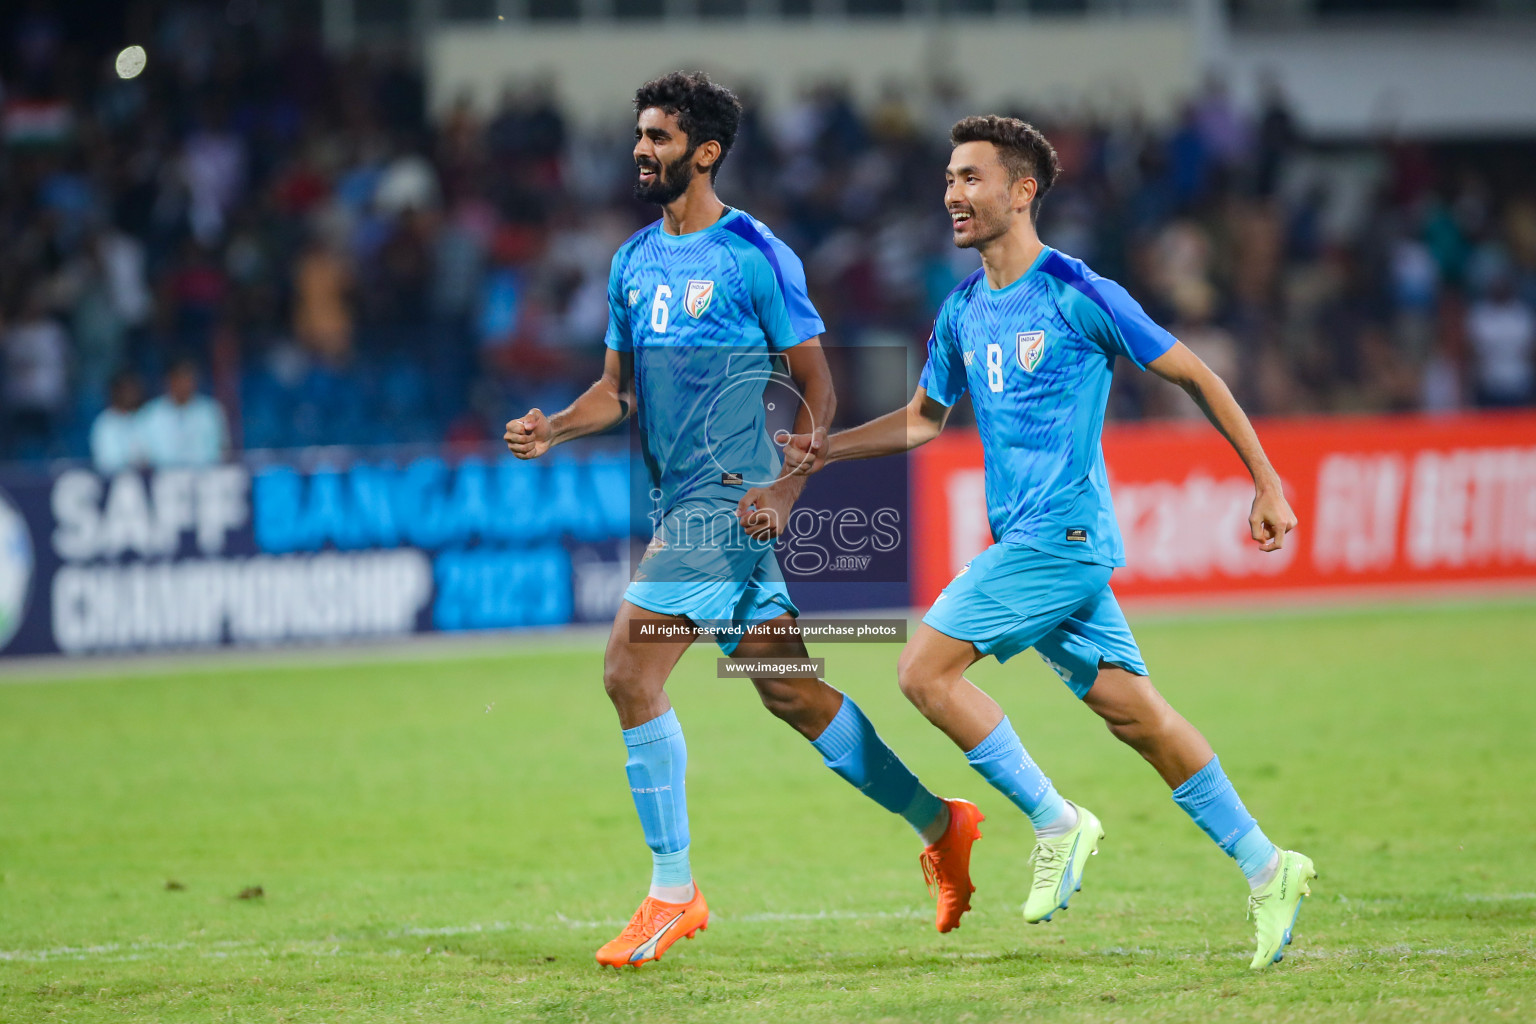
pixel 701 304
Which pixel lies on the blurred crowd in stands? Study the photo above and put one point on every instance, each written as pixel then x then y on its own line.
pixel 337 267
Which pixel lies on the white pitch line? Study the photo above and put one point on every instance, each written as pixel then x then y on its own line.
pixel 1466 897
pixel 332 946
pixel 759 918
pixel 458 929
pixel 130 950
pixel 1498 897
pixel 1399 950
pixel 833 915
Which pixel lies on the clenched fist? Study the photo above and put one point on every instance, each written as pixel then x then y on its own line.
pixel 530 436
pixel 1271 519
pixel 804 453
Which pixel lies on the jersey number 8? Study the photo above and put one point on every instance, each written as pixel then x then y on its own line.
pixel 995 367
pixel 659 310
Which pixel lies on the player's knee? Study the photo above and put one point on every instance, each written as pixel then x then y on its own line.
pixel 918 682
pixel 621 676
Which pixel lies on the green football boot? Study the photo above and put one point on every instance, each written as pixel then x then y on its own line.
pixel 1273 907
pixel 1059 863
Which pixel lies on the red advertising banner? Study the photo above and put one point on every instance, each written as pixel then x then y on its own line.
pixel 1383 502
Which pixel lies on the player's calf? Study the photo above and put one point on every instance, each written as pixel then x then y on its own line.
pixel 805 705
pixel 1138 716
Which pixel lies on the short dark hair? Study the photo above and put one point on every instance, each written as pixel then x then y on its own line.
pixel 122 375
pixel 183 362
pixel 705 111
pixel 1023 150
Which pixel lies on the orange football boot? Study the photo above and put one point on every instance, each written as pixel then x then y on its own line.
pixel 947 863
pixel 653 929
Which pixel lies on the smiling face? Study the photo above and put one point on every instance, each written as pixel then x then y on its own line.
pixel 981 201
pixel 665 162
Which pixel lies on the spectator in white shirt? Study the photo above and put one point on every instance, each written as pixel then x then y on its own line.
pixel 182 427
pixel 34 369
pixel 1502 330
pixel 116 441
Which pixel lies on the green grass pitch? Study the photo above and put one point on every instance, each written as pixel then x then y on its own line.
pixel 444 838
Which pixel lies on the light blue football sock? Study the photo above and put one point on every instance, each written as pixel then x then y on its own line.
pixel 657 765
pixel 1208 797
pixel 1002 760
pixel 850 747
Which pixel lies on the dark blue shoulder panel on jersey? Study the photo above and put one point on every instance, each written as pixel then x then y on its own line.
pixel 743 227
pixel 1066 273
pixel 1144 340
pixel 970 279
pixel 636 236
pixel 642 231
pixel 632 239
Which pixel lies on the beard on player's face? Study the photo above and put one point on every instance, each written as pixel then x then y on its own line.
pixel 668 181
pixel 989 220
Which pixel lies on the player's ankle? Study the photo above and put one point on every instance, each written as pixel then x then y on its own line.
pixel 672 893
pixel 1060 825
pixel 935 829
pixel 1266 874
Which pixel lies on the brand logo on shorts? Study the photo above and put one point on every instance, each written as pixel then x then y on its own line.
pixel 1058 667
pixel 1031 346
pixel 696 299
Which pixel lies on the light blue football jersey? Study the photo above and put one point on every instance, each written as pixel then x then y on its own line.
pixel 1037 358
pixel 704 314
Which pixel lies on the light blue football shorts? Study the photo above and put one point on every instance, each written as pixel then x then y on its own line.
pixel 702 565
pixel 1012 597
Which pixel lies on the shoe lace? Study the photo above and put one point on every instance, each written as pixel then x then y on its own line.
pixel 931 861
pixel 645 920
pixel 1046 856
pixel 1256 903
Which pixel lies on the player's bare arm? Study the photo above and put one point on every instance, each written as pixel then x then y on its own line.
pixel 901 430
pixel 607 403
pixel 764 511
pixel 1271 518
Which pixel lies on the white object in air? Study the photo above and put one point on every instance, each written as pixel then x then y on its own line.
pixel 130 62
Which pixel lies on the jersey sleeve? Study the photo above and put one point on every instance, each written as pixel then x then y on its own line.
pixel 1105 314
pixel 617 337
pixel 776 280
pixel 943 374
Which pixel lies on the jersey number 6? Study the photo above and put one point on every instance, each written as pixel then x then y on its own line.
pixel 659 309
pixel 995 367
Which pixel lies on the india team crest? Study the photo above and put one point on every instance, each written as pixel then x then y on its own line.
pixel 697 298
pixel 1031 348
